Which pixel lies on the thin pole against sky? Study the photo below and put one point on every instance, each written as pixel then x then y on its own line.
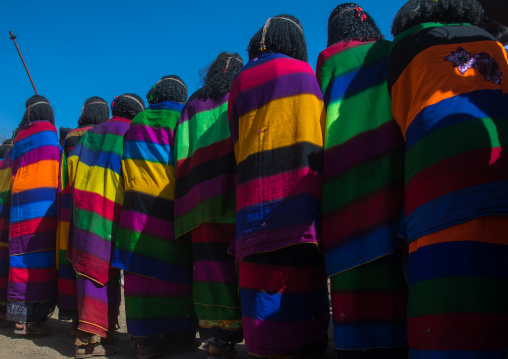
pixel 13 38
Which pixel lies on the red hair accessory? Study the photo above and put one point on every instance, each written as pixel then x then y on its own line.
pixel 361 14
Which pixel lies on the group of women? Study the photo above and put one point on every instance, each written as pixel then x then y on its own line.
pixel 383 171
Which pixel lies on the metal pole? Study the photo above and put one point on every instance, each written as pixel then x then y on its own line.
pixel 13 38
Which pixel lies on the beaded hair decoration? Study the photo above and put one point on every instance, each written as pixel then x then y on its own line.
pixel 37 103
pixel 228 61
pixel 262 44
pixel 167 78
pixel 92 103
pixel 129 97
pixel 361 14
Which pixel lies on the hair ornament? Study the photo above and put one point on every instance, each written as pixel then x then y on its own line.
pixel 167 78
pixel 228 61
pixel 265 29
pixel 362 15
pixel 136 100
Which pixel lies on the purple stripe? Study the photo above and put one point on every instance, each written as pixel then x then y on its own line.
pixel 385 139
pixel 136 285
pixel 4 253
pixel 114 126
pixel 213 271
pixel 214 187
pixel 200 105
pixel 86 288
pixel 32 292
pixel 36 155
pixel 143 223
pixel 67 302
pixel 83 240
pixel 146 133
pixel 39 241
pixel 280 87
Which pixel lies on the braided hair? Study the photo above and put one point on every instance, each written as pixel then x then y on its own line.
pixel 220 74
pixel 37 109
pixel 168 88
pixel 350 22
pixel 5 147
pixel 282 34
pixel 416 12
pixel 127 106
pixel 63 132
pixel 95 111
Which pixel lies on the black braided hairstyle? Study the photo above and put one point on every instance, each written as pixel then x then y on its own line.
pixel 5 147
pixel 37 109
pixel 63 132
pixel 416 12
pixel 127 106
pixel 350 22
pixel 219 75
pixel 94 111
pixel 282 36
pixel 168 88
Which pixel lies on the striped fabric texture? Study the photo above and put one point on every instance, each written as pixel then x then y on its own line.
pixel 205 166
pixel 276 119
pixel 363 156
pixel 32 287
pixel 5 213
pixel 449 94
pixel 97 187
pixel 67 301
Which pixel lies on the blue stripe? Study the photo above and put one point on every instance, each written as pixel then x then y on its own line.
pixel 149 151
pixel 375 243
pixel 298 209
pixel 39 209
pixel 4 268
pixel 369 335
pixel 34 260
pixel 356 81
pixel 155 326
pixel 35 195
pixel 283 307
pixel 39 139
pixel 261 59
pixel 109 160
pixel 457 109
pixel 66 271
pixel 459 354
pixel 151 267
pixel 457 259
pixel 167 105
pixel 458 207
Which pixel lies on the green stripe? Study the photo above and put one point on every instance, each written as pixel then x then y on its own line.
pixel 94 223
pixel 361 181
pixel 376 275
pixel 157 118
pixel 103 143
pixel 204 312
pixel 216 294
pixel 458 295
pixel 153 247
pixel 223 206
pixel 454 140
pixel 199 128
pixel 354 108
pixel 62 258
pixel 158 307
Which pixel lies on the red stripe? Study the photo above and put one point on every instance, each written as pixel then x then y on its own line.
pixel 3 283
pixel 452 174
pixel 67 286
pixel 281 279
pixel 357 306
pixel 362 215
pixel 458 331
pixel 34 128
pixel 36 225
pixel 4 224
pixel 96 203
pixel 214 233
pixel 38 275
pixel 203 155
pixel 303 180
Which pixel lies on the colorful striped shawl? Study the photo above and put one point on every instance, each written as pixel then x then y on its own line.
pixel 449 87
pixel 145 235
pixel 363 157
pixel 205 165
pixel 97 187
pixel 276 118
pixel 65 196
pixel 5 210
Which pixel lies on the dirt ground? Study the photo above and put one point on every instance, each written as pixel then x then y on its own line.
pixel 61 345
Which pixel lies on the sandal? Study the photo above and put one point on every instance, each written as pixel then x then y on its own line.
pixel 38 329
pixel 94 350
pixel 221 350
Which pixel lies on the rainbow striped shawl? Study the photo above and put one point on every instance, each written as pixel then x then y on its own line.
pixel 145 234
pixel 5 213
pixel 33 222
pixel 65 196
pixel 276 118
pixel 205 165
pixel 449 86
pixel 97 187
pixel 363 157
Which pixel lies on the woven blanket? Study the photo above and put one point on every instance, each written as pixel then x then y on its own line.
pixel 5 212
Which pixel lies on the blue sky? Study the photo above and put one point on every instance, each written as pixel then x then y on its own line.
pixel 77 49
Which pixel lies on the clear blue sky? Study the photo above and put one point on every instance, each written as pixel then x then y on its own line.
pixel 78 49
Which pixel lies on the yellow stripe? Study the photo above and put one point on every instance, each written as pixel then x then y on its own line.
pixel 5 180
pixel 4 245
pixel 281 123
pixel 152 178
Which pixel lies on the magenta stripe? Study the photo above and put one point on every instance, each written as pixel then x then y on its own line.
pixel 36 155
pixel 143 223
pixel 136 285
pixel 213 271
pixel 201 192
pixel 147 133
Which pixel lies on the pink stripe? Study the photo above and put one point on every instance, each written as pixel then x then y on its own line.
pixel 148 134
pixel 303 180
pixel 214 271
pixel 140 222
pixel 33 128
pixel 136 285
